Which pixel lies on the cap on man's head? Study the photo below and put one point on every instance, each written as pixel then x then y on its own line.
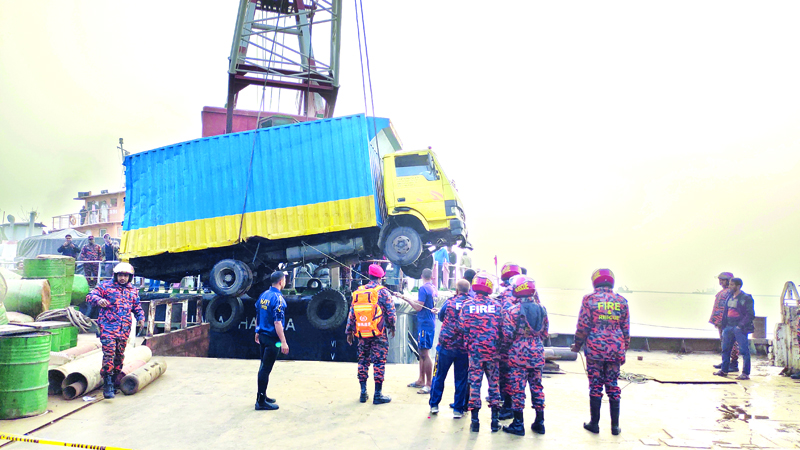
pixel 376 271
pixel 106 236
pixel 725 276
pixel 69 236
pixel 469 274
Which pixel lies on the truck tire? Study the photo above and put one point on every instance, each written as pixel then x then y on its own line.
pixel 415 270
pixel 217 309
pixel 230 277
pixel 314 283
pixel 403 246
pixel 328 303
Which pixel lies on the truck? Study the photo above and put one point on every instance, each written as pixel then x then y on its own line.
pixel 235 207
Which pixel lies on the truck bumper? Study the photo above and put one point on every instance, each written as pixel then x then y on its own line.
pixel 458 228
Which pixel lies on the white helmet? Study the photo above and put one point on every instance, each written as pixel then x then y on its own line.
pixel 124 267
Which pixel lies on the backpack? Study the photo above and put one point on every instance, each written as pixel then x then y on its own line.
pixel 369 314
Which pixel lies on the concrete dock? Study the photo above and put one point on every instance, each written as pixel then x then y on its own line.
pixel 208 403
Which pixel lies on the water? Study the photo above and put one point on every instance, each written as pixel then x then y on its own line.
pixel 655 314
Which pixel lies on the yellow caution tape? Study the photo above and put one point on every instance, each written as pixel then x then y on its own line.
pixel 33 440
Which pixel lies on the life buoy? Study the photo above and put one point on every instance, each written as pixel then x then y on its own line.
pixel 72 220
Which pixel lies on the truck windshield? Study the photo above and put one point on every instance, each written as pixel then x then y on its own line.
pixel 411 165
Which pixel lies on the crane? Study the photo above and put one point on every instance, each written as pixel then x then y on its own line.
pixel 260 54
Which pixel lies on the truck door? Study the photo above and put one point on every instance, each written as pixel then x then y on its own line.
pixel 418 185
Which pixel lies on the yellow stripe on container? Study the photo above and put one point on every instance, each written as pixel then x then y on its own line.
pixel 338 215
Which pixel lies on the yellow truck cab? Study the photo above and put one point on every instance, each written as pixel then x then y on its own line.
pixel 423 209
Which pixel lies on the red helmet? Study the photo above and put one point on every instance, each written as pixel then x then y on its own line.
pixel 603 277
pixel 482 283
pixel 509 270
pixel 523 286
pixel 376 271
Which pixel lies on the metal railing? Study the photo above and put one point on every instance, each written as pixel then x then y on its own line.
pixel 78 219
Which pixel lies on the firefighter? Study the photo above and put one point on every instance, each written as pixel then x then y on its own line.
pixel 479 321
pixel 506 300
pixel 525 326
pixel 117 299
pixel 604 326
pixel 372 314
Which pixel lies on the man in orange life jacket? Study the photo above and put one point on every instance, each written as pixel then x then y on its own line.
pixel 372 314
pixel 604 326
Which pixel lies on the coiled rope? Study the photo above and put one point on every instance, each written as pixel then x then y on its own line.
pixel 67 315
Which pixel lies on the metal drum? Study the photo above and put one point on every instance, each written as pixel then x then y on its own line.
pixel 23 374
pixel 54 270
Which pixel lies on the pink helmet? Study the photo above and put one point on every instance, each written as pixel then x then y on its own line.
pixel 509 270
pixel 376 271
pixel 603 277
pixel 482 283
pixel 523 287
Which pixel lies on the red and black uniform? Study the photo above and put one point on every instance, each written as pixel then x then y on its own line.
pixel 451 351
pixel 374 350
pixel 114 321
pixel 717 314
pixel 506 300
pixel 480 322
pixel 91 252
pixel 604 326
pixel 525 356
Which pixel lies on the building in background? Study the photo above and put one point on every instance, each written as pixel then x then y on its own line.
pixel 99 214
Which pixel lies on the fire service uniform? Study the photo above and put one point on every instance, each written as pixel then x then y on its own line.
pixel 604 328
pixel 452 350
pixel 479 321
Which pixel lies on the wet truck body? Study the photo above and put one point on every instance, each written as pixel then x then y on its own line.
pixel 235 207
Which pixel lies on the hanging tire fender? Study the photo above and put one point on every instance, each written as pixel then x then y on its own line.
pixel 341 309
pixel 237 310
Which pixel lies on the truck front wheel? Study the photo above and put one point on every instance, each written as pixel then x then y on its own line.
pixel 403 246
pixel 230 277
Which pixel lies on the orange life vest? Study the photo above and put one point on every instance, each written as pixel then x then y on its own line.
pixel 369 314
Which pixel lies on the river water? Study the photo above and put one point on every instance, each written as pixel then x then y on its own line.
pixel 655 314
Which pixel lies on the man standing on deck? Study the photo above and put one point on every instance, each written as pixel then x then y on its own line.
pixel 270 336
pixel 716 318
pixel 506 300
pixel 479 322
pixel 737 322
pixel 604 326
pixel 440 256
pixel 525 326
pixel 426 328
pixel 68 248
pixel 372 314
pixel 91 252
pixel 451 351
pixel 117 299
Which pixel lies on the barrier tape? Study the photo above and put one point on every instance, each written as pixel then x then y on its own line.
pixel 33 440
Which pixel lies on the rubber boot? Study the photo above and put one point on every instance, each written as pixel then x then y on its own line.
pixel 517 426
pixel 594 407
pixel 379 398
pixel 108 389
pixel 262 404
pixel 506 412
pixel 364 395
pixel 538 425
pixel 615 429
pixel 495 425
pixel 476 423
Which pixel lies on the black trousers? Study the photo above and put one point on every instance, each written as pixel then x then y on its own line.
pixel 269 353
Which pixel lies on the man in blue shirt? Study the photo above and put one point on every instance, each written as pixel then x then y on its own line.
pixel 426 328
pixel 441 257
pixel 270 337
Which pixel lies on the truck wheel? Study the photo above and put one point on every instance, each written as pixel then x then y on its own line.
pixel 230 277
pixel 327 309
pixel 415 270
pixel 403 246
pixel 224 312
pixel 314 283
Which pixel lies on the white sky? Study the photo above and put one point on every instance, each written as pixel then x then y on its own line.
pixel 661 140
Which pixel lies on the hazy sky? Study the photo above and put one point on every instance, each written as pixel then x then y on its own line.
pixel 661 140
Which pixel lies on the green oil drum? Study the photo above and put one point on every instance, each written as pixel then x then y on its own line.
pixel 80 289
pixel 3 316
pixel 64 337
pixel 31 297
pixel 53 269
pixel 23 374
pixel 59 301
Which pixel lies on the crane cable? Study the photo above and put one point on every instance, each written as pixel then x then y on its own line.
pixel 359 6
